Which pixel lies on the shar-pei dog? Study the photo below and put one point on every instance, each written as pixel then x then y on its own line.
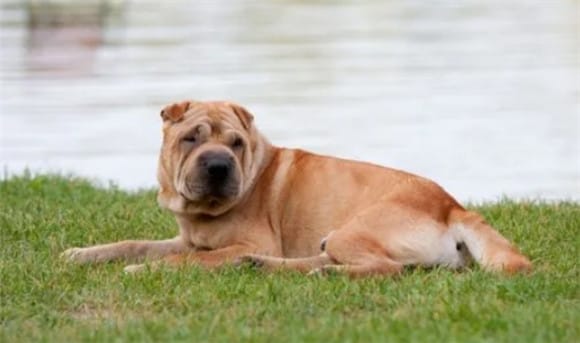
pixel 239 199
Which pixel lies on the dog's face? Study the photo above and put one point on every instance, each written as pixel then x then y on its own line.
pixel 209 157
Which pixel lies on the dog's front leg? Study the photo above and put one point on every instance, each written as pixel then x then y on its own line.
pixel 127 250
pixel 205 258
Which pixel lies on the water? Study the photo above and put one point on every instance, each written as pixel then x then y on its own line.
pixel 481 96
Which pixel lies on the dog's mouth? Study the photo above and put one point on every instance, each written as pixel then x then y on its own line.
pixel 210 196
pixel 212 185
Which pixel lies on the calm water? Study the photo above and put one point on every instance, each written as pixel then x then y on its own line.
pixel 482 97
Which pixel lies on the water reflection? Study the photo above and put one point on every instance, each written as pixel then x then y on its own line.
pixel 480 96
pixel 63 38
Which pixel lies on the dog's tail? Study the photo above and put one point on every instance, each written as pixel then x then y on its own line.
pixel 487 246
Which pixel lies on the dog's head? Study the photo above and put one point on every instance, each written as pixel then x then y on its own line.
pixel 210 156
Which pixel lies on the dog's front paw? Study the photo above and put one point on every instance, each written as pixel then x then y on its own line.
pixel 135 268
pixel 78 255
pixel 249 260
pixel 325 271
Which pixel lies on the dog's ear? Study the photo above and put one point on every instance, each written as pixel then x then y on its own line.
pixel 243 115
pixel 175 111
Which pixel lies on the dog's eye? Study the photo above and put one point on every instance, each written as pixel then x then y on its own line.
pixel 238 143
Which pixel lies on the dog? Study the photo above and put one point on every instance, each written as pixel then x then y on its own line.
pixel 238 199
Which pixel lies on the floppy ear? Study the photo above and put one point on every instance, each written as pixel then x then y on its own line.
pixel 244 115
pixel 175 111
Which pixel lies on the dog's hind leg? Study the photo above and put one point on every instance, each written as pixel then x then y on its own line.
pixel 357 254
pixel 385 238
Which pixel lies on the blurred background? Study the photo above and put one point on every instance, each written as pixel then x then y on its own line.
pixel 480 96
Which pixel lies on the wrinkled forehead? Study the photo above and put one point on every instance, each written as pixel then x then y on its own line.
pixel 219 117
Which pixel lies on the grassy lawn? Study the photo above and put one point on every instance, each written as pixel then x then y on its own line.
pixel 45 299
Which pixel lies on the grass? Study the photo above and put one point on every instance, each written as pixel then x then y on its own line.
pixel 43 299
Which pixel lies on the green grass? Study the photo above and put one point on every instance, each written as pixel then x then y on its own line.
pixel 45 299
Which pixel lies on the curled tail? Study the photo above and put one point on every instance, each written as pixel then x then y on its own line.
pixel 487 246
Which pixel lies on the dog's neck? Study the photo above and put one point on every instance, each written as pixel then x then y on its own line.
pixel 263 156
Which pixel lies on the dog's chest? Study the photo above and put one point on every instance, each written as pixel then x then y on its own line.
pixel 207 235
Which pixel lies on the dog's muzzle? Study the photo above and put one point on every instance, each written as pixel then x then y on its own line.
pixel 217 173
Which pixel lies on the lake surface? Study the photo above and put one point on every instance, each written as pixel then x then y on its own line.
pixel 480 96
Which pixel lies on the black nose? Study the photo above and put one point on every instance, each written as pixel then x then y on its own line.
pixel 218 169
pixel 218 166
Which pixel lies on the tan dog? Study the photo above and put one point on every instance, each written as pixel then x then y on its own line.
pixel 238 198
